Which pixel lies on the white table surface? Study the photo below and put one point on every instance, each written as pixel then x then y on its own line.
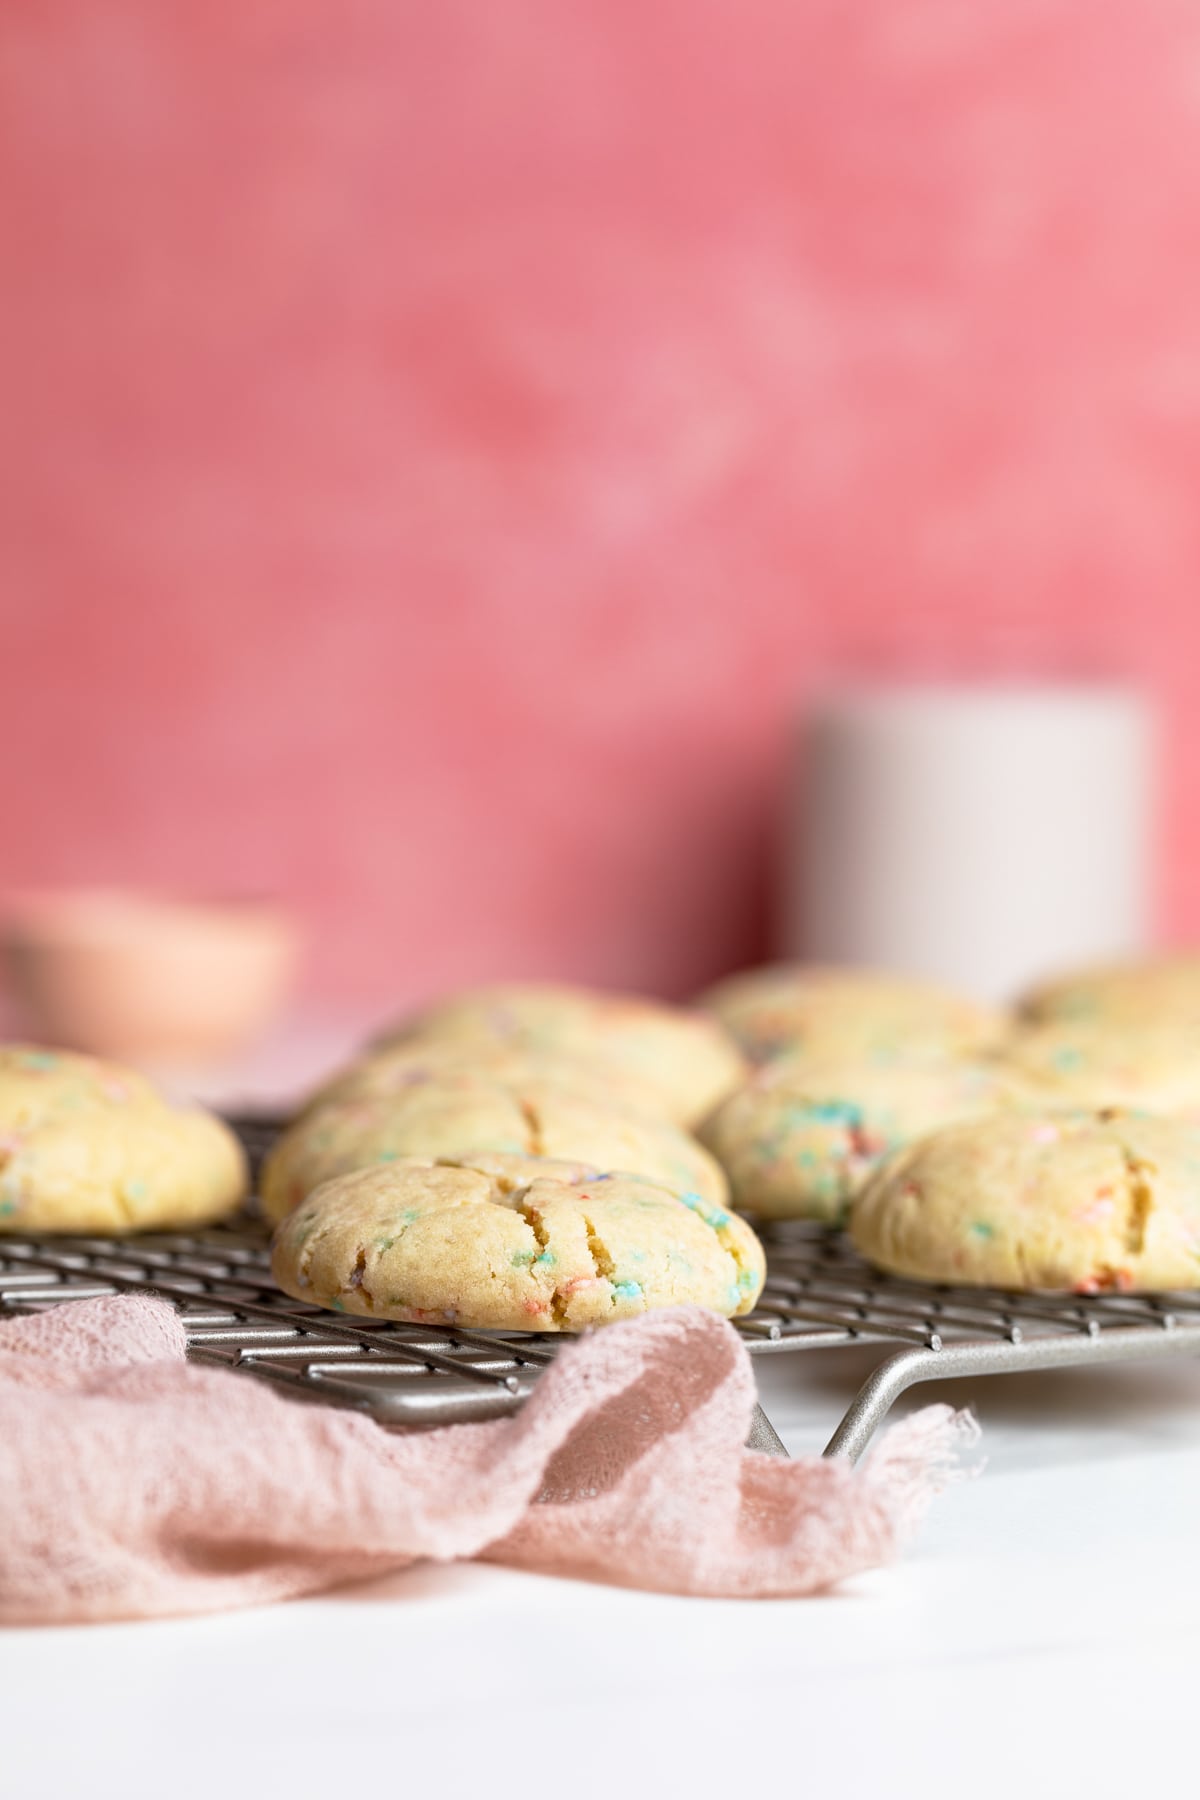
pixel 1041 1636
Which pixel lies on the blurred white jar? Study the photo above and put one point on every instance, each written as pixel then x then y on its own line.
pixel 977 835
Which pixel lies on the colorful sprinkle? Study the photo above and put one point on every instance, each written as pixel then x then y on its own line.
pixel 1106 1280
pixel 836 1112
pixel 712 1215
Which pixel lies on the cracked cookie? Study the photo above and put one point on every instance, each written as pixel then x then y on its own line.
pixel 681 1061
pixel 1087 1201
pixel 1163 991
pixel 468 1113
pixel 513 1243
pixel 89 1146
pixel 825 1012
pixel 801 1137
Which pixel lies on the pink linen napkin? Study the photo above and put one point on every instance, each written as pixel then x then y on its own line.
pixel 133 1484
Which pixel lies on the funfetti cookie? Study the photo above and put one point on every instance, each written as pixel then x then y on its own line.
pixel 513 1243
pixel 1147 1068
pixel 89 1146
pixel 800 1138
pixel 1157 993
pixel 828 1013
pixel 1090 1202
pixel 468 1114
pixel 680 1061
pixel 413 1062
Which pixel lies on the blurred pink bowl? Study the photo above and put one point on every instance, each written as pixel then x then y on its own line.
pixel 147 978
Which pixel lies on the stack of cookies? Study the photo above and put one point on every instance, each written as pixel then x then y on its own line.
pixel 517 1158
pixel 1056 1147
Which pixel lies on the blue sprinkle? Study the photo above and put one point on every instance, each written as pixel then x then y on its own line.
pixel 828 1112
pixel 627 1290
pixel 712 1215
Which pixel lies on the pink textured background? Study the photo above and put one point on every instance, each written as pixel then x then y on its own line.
pixel 440 442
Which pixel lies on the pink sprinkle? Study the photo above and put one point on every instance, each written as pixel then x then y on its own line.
pixel 1044 1134
pixel 1093 1212
pixel 579 1281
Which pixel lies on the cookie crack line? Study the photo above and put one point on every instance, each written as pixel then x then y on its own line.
pixel 1140 1202
pixel 602 1263
pixel 308 1250
pixel 357 1280
pixel 537 1224
pixel 533 1126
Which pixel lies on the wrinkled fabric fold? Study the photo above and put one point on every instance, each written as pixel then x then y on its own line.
pixel 136 1485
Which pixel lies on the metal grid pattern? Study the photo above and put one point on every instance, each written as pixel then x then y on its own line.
pixel 819 1295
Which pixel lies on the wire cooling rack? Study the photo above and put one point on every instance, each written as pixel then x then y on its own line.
pixel 819 1295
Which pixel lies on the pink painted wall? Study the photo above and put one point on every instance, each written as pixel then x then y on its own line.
pixel 441 443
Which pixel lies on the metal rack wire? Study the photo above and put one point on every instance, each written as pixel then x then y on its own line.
pixel 819 1295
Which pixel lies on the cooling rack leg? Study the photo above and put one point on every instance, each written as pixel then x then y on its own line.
pixel 877 1395
pixel 763 1435
pixel 1078 1350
